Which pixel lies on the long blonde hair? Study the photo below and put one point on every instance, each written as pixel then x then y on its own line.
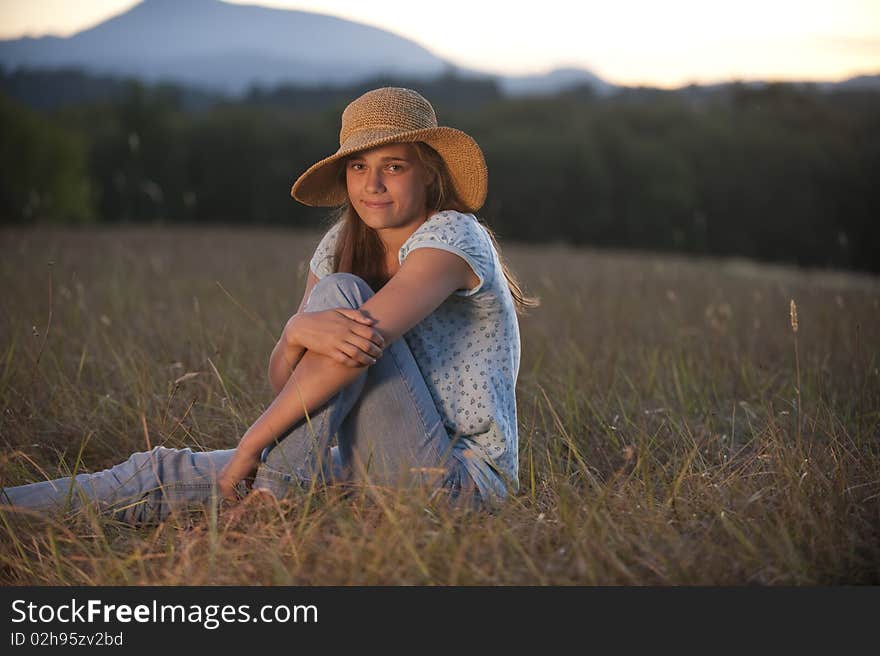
pixel 360 251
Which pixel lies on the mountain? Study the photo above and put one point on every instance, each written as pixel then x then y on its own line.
pixel 553 82
pixel 214 46
pixel 861 82
pixel 227 47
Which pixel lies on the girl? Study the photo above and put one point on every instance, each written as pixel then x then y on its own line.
pixel 406 258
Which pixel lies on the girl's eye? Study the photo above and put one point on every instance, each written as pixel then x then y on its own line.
pixel 395 168
pixel 355 166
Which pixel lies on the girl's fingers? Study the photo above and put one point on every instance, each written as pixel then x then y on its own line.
pixel 366 346
pixel 363 326
pixel 356 315
pixel 357 356
pixel 370 334
pixel 364 338
pixel 357 341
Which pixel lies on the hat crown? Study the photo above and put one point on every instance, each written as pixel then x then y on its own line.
pixel 390 109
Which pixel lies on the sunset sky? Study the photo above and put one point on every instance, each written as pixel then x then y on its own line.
pixel 624 41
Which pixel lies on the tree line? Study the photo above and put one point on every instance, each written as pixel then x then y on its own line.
pixel 775 172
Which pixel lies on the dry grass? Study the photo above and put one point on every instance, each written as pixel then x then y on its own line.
pixel 658 398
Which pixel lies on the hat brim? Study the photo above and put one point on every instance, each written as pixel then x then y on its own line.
pixel 320 185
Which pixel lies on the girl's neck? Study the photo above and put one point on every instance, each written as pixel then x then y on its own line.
pixel 394 238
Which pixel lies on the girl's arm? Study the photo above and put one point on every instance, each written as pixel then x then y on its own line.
pixel 426 278
pixel 286 354
pixel 344 334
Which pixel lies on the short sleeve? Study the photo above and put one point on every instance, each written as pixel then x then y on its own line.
pixel 322 262
pixel 456 233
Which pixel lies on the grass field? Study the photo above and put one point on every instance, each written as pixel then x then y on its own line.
pixel 664 436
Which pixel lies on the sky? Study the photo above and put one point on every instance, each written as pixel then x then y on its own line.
pixel 667 44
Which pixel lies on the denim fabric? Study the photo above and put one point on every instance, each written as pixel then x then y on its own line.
pixel 387 427
pixel 147 487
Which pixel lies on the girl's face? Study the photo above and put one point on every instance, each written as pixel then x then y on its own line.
pixel 387 186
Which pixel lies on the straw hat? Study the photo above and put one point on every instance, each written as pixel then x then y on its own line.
pixel 395 115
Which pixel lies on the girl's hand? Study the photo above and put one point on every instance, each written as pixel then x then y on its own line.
pixel 344 334
pixel 241 467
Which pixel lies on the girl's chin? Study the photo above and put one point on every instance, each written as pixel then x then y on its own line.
pixel 373 221
pixel 374 214
pixel 387 218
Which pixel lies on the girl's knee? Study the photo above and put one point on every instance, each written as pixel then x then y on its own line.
pixel 159 464
pixel 156 455
pixel 339 290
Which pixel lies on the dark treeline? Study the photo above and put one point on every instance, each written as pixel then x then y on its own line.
pixel 774 172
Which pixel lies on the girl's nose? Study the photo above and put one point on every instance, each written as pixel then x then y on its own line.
pixel 374 182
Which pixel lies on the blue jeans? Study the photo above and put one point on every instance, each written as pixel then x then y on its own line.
pixel 388 430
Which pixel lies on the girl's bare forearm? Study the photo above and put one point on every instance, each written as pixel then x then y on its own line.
pixel 316 380
pixel 282 362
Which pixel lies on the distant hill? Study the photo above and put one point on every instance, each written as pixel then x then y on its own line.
pixel 553 82
pixel 214 49
pixel 227 47
pixel 230 48
pixel 861 82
